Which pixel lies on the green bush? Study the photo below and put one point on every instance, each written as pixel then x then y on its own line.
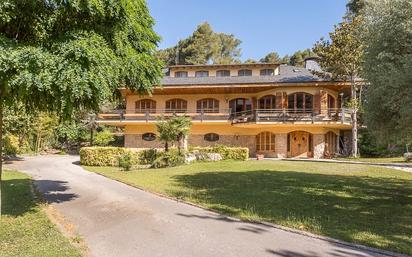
pixel 126 161
pixel 11 145
pixel 148 156
pixel 104 138
pixel 171 158
pixel 104 156
pixel 227 153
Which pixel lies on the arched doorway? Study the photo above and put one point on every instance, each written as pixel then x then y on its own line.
pixel 300 144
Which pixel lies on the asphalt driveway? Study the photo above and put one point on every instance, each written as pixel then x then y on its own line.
pixel 119 220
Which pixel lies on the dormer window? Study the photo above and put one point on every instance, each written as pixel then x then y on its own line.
pixel 267 72
pixel 201 74
pixel 223 73
pixel 242 73
pixel 181 74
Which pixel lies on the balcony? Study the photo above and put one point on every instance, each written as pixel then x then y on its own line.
pixel 257 116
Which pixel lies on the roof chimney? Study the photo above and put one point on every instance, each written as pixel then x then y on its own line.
pixel 311 63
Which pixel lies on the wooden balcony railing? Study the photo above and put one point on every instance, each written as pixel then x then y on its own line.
pixel 256 116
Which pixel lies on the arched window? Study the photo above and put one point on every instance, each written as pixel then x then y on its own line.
pixel 267 102
pixel 202 73
pixel 207 105
pixel 211 137
pixel 223 73
pixel 240 105
pixel 176 105
pixel 300 102
pixel 148 136
pixel 242 73
pixel 181 74
pixel 265 142
pixel 267 72
pixel 145 105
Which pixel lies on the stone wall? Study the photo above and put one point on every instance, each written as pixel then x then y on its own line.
pixel 281 147
pixel 318 146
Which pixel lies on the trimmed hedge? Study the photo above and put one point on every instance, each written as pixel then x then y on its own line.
pixel 227 153
pixel 105 156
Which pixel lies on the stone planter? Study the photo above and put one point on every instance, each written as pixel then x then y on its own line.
pixel 260 157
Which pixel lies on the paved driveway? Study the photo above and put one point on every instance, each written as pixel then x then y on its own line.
pixel 119 220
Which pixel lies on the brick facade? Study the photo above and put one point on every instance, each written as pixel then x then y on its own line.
pixel 318 146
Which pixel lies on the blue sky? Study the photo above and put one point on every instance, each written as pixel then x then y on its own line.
pixel 263 25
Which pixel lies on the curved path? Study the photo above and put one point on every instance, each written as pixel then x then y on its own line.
pixel 119 220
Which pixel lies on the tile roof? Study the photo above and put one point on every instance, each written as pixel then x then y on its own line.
pixel 287 74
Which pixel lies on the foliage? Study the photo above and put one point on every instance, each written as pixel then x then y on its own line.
pixel 71 133
pixel 11 145
pixel 227 153
pixel 43 131
pixel 25 228
pixel 63 56
pixel 341 56
pixel 147 156
pixel 356 6
pixel 387 67
pixel 298 58
pixel 171 158
pixel 371 146
pixel 283 192
pixel 272 57
pixel 202 47
pixel 104 137
pixel 126 160
pixel 104 156
pixel 172 129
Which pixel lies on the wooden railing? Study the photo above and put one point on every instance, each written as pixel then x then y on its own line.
pixel 256 116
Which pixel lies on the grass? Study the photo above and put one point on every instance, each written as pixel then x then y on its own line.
pixel 396 160
pixel 355 203
pixel 25 229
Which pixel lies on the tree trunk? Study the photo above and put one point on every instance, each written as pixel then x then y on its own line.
pixel 1 144
pixel 354 119
pixel 166 146
pixel 91 137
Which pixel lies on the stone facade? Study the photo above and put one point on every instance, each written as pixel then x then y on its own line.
pixel 318 146
pixel 281 145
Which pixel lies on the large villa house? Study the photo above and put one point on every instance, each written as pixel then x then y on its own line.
pixel 273 109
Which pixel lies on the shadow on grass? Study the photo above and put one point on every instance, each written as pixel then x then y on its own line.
pixel 17 195
pixel 369 210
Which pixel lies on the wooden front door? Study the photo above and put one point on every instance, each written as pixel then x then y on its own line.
pixel 299 144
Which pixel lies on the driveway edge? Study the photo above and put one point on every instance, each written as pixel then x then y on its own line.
pixel 292 230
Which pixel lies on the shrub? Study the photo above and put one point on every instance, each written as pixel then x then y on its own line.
pixel 227 153
pixel 104 138
pixel 148 156
pixel 171 158
pixel 11 145
pixel 126 161
pixel 104 156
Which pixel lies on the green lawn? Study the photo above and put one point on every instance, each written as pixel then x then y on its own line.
pixel 397 160
pixel 25 229
pixel 356 203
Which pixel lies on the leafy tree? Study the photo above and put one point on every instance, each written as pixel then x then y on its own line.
pixel 104 137
pixel 272 57
pixel 43 131
pixel 387 68
pixel 250 61
pixel 66 55
pixel 298 58
pixel 342 57
pixel 202 47
pixel 354 7
pixel 226 49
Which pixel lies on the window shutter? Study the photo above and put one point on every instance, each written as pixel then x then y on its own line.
pixel 284 100
pixel 316 103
